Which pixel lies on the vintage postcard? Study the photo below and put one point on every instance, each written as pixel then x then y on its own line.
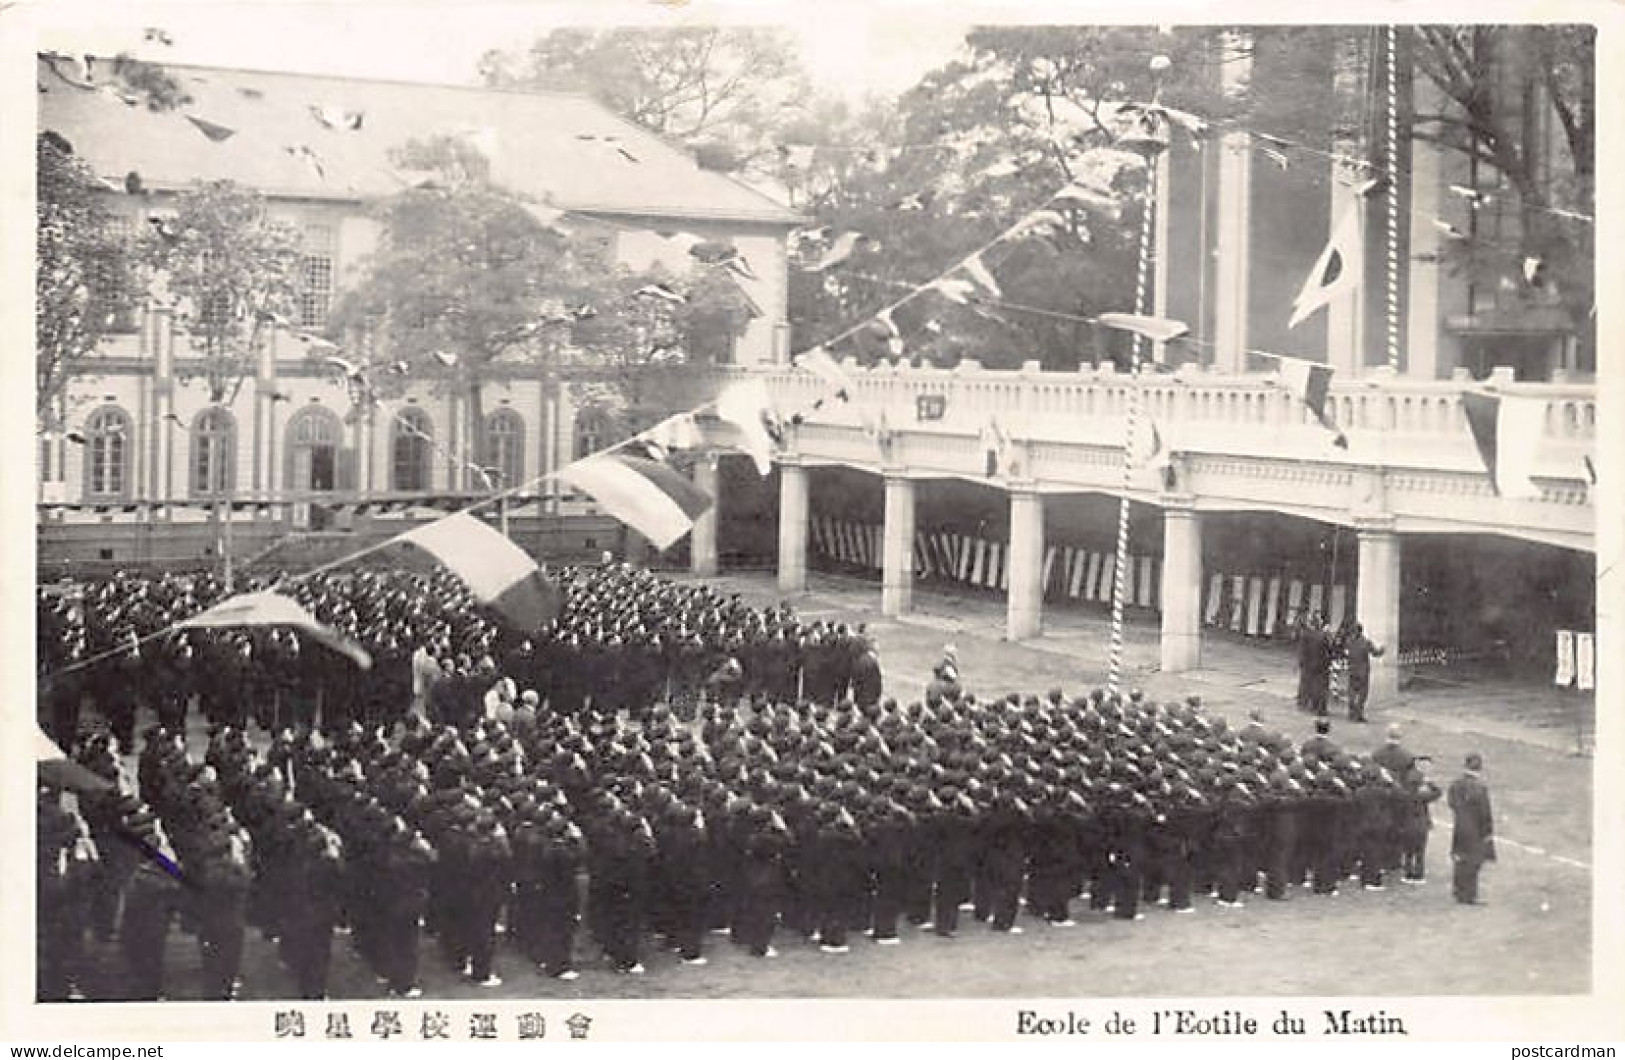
pixel 543 522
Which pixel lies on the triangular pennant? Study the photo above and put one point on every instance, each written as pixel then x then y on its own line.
pixel 212 130
pixel 1507 432
pixel 843 247
pixel 820 363
pixel 1157 329
pixel 1340 268
pixel 1311 383
pixel 977 271
pixel 271 609
pixel 59 771
pixel 747 406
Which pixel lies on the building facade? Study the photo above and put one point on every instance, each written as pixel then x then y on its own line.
pixel 144 464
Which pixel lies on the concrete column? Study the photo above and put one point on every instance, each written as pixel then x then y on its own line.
pixel 897 548
pixel 792 528
pixel 1025 615
pixel 1377 606
pixel 702 541
pixel 163 406
pixel 1181 589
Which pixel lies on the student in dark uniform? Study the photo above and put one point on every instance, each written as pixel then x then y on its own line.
pixel 150 904
pixel 490 868
pixel 222 905
pixel 1419 794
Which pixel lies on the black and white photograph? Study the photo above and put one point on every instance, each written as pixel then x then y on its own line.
pixel 538 506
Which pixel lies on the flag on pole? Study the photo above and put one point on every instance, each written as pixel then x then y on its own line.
pixel 60 771
pixel 649 497
pixel 745 405
pixel 1339 269
pixel 1310 383
pixel 818 361
pixel 272 609
pixel 1507 432
pixel 498 572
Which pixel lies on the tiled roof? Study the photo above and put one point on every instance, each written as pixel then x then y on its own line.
pixel 560 148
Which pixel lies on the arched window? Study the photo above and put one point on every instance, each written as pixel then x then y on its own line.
pixel 107 453
pixel 411 449
pixel 214 453
pixel 592 432
pixel 502 448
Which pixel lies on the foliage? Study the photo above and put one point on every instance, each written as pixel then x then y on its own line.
pixel 233 271
pixel 82 281
pixel 985 139
pixel 469 279
pixel 724 92
pixel 1503 89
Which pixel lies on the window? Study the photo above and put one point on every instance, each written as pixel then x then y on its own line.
pixel 123 314
pixel 592 432
pixel 107 453
pixel 502 448
pixel 316 276
pixel 411 449
pixel 214 449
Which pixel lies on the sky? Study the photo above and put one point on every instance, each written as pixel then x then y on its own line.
pixel 851 48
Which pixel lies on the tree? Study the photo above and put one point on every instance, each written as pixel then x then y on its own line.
pixel 977 145
pixel 470 279
pixel 985 139
pixel 723 92
pixel 1504 88
pixel 82 280
pixel 232 270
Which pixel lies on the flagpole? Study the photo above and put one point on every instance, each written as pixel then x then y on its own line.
pixel 1391 171
pixel 1114 669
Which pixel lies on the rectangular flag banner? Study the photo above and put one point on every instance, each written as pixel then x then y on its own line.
pixel 649 497
pixel 1317 599
pixel 1145 584
pixel 1238 592
pixel 1272 612
pixel 1255 604
pixel 1585 662
pixel 271 609
pixel 1215 599
pixel 1339 604
pixel 498 572
pixel 1080 567
pixel 1565 658
pixel 1294 603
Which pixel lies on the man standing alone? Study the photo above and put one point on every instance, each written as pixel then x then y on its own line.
pixel 1359 650
pixel 1473 841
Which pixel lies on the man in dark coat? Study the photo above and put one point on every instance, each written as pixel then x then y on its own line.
pixel 866 677
pixel 1359 650
pixel 1472 842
